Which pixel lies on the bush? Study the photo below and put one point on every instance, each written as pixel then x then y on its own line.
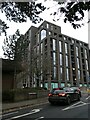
pixel 11 95
pixel 7 96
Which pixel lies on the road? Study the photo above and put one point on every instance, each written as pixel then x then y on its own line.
pixel 78 109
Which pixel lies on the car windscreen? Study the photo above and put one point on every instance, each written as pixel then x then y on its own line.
pixel 58 91
pixel 66 89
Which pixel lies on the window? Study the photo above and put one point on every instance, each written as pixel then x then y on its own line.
pixel 30 33
pixel 60 59
pixel 41 71
pixel 78 63
pixel 43 34
pixel 41 47
pixel 72 41
pixel 54 44
pixel 85 53
pixel 55 34
pixel 60 36
pixel 38 38
pixel 34 51
pixel 38 49
pixel 80 43
pixel 77 51
pixel 37 62
pixel 54 72
pixel 54 58
pixel 87 64
pixel 60 46
pixel 61 73
pixel 41 63
pixel 66 48
pixel 51 27
pixel 47 25
pixel 79 74
pixel 41 77
pixel 88 75
pixel 29 46
pixel 49 32
pixel 64 38
pixel 67 74
pixel 66 61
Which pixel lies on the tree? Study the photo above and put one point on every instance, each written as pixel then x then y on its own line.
pixel 73 12
pixel 19 11
pixel 9 45
pixel 3 27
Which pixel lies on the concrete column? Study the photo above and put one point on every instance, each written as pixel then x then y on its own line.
pixel 70 65
pixel 58 64
pixel 64 65
pixel 49 62
pixel 81 68
pixel 76 67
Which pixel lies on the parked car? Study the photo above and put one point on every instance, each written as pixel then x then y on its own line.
pixel 77 89
pixel 67 95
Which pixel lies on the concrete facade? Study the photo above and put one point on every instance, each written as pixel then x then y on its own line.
pixel 53 59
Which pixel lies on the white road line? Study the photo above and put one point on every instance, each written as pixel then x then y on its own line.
pixel 32 112
pixel 76 103
pixel 87 98
pixel 39 118
pixel 10 113
pixel 73 106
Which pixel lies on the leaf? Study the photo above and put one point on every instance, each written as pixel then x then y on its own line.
pixel 65 20
pixel 54 13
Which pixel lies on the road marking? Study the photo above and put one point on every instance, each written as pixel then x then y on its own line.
pixel 76 103
pixel 10 113
pixel 32 112
pixel 73 106
pixel 39 118
pixel 87 98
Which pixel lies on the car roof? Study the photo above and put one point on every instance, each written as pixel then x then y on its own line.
pixel 58 88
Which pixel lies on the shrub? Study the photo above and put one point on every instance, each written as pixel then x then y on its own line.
pixel 7 96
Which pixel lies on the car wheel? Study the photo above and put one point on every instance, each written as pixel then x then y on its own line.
pixel 52 103
pixel 78 98
pixel 68 100
pixel 80 94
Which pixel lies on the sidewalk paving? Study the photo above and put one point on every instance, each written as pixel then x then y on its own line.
pixel 6 107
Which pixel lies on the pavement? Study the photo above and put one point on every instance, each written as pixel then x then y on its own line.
pixel 7 107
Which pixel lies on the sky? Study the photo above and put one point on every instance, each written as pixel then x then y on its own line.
pixel 66 28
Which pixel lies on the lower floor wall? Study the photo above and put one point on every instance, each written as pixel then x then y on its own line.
pixel 55 85
pixel 23 94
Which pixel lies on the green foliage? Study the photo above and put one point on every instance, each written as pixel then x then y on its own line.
pixel 8 96
pixel 9 47
pixel 3 27
pixel 73 12
pixel 19 11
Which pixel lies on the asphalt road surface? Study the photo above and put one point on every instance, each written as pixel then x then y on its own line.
pixel 80 109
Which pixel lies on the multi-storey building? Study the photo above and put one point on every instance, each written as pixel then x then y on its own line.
pixel 54 59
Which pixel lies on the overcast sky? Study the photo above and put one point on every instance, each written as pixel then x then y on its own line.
pixel 66 28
